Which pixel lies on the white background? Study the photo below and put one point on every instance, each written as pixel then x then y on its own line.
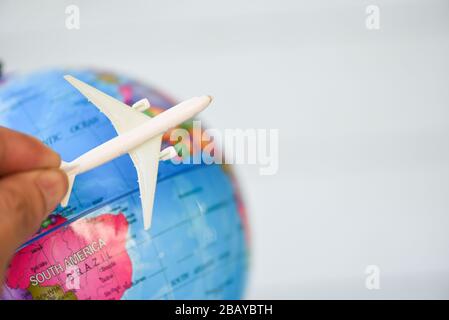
pixel 363 118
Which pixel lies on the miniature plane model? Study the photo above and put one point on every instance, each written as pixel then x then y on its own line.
pixel 138 134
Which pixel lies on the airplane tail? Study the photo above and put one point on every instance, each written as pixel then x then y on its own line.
pixel 71 177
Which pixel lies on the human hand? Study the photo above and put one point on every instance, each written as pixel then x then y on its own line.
pixel 31 186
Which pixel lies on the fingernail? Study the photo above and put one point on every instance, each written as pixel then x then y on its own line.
pixel 53 185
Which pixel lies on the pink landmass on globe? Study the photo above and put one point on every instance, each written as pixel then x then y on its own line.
pixel 87 257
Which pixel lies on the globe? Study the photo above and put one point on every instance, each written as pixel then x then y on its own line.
pixel 96 247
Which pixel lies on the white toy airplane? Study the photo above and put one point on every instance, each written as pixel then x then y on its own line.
pixel 138 134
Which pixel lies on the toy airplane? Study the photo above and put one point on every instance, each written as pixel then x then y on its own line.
pixel 138 134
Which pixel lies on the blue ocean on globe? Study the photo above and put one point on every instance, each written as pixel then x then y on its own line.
pixel 96 247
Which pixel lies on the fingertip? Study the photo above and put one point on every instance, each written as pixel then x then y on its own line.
pixel 26 198
pixel 53 184
pixel 41 155
pixel 48 158
pixel 21 152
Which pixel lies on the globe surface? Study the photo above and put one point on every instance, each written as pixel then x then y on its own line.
pixel 96 248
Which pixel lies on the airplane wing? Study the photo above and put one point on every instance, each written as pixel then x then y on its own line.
pixel 122 116
pixel 145 157
pixel 146 160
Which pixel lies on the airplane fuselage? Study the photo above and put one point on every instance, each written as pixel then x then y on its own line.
pixel 127 141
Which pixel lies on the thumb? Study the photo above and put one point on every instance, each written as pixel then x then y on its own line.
pixel 25 200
